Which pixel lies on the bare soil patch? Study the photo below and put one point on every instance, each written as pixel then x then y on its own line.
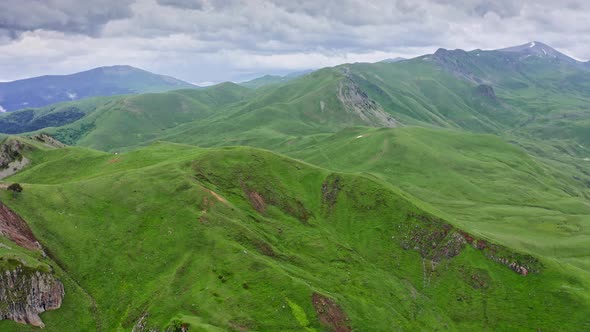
pixel 330 314
pixel 16 229
pixel 257 201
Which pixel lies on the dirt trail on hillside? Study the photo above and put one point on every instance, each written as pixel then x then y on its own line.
pixel 219 198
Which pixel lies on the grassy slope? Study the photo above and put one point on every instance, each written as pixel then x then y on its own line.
pixel 274 116
pixel 226 114
pixel 132 120
pixel 142 231
pixel 76 307
pixel 534 99
pixel 417 92
pixel 546 99
pixel 464 176
pixel 481 182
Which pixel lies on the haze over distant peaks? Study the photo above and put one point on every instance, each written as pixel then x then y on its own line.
pixel 391 60
pixel 102 81
pixel 538 49
pixel 265 80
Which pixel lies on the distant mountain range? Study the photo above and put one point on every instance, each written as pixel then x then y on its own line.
pixel 474 90
pixel 102 81
pixel 119 80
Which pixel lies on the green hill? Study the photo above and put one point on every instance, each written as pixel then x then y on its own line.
pixel 263 81
pixel 445 192
pixel 118 122
pixel 240 238
pixel 480 182
pixel 506 93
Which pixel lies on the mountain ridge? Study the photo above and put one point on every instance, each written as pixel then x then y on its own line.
pixel 357 197
pixel 101 81
pixel 246 232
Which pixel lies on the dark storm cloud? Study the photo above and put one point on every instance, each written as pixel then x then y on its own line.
pixel 71 16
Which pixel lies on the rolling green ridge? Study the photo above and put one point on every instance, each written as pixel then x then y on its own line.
pixel 137 119
pixel 484 184
pixel 237 238
pixel 503 93
pixel 263 81
pixel 446 192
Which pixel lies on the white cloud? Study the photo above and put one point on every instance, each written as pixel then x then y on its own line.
pixel 217 40
pixel 204 83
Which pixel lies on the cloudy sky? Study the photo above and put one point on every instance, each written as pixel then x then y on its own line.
pixel 217 40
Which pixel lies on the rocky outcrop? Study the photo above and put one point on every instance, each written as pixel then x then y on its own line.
pixel 12 151
pixel 437 240
pixel 11 158
pixel 356 101
pixel 141 325
pixel 47 140
pixel 176 325
pixel 25 293
pixel 330 189
pixel 486 91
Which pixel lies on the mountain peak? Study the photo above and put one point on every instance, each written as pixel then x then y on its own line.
pixel 116 69
pixel 538 49
pixel 532 45
pixel 101 81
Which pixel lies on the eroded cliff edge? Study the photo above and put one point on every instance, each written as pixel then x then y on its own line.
pixel 27 286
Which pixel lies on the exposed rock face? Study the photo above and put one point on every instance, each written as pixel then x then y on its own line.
pixel 356 101
pixel 141 325
pixel 47 140
pixel 16 229
pixel 330 189
pixel 25 293
pixel 436 240
pixel 11 158
pixel 10 150
pixel 486 91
